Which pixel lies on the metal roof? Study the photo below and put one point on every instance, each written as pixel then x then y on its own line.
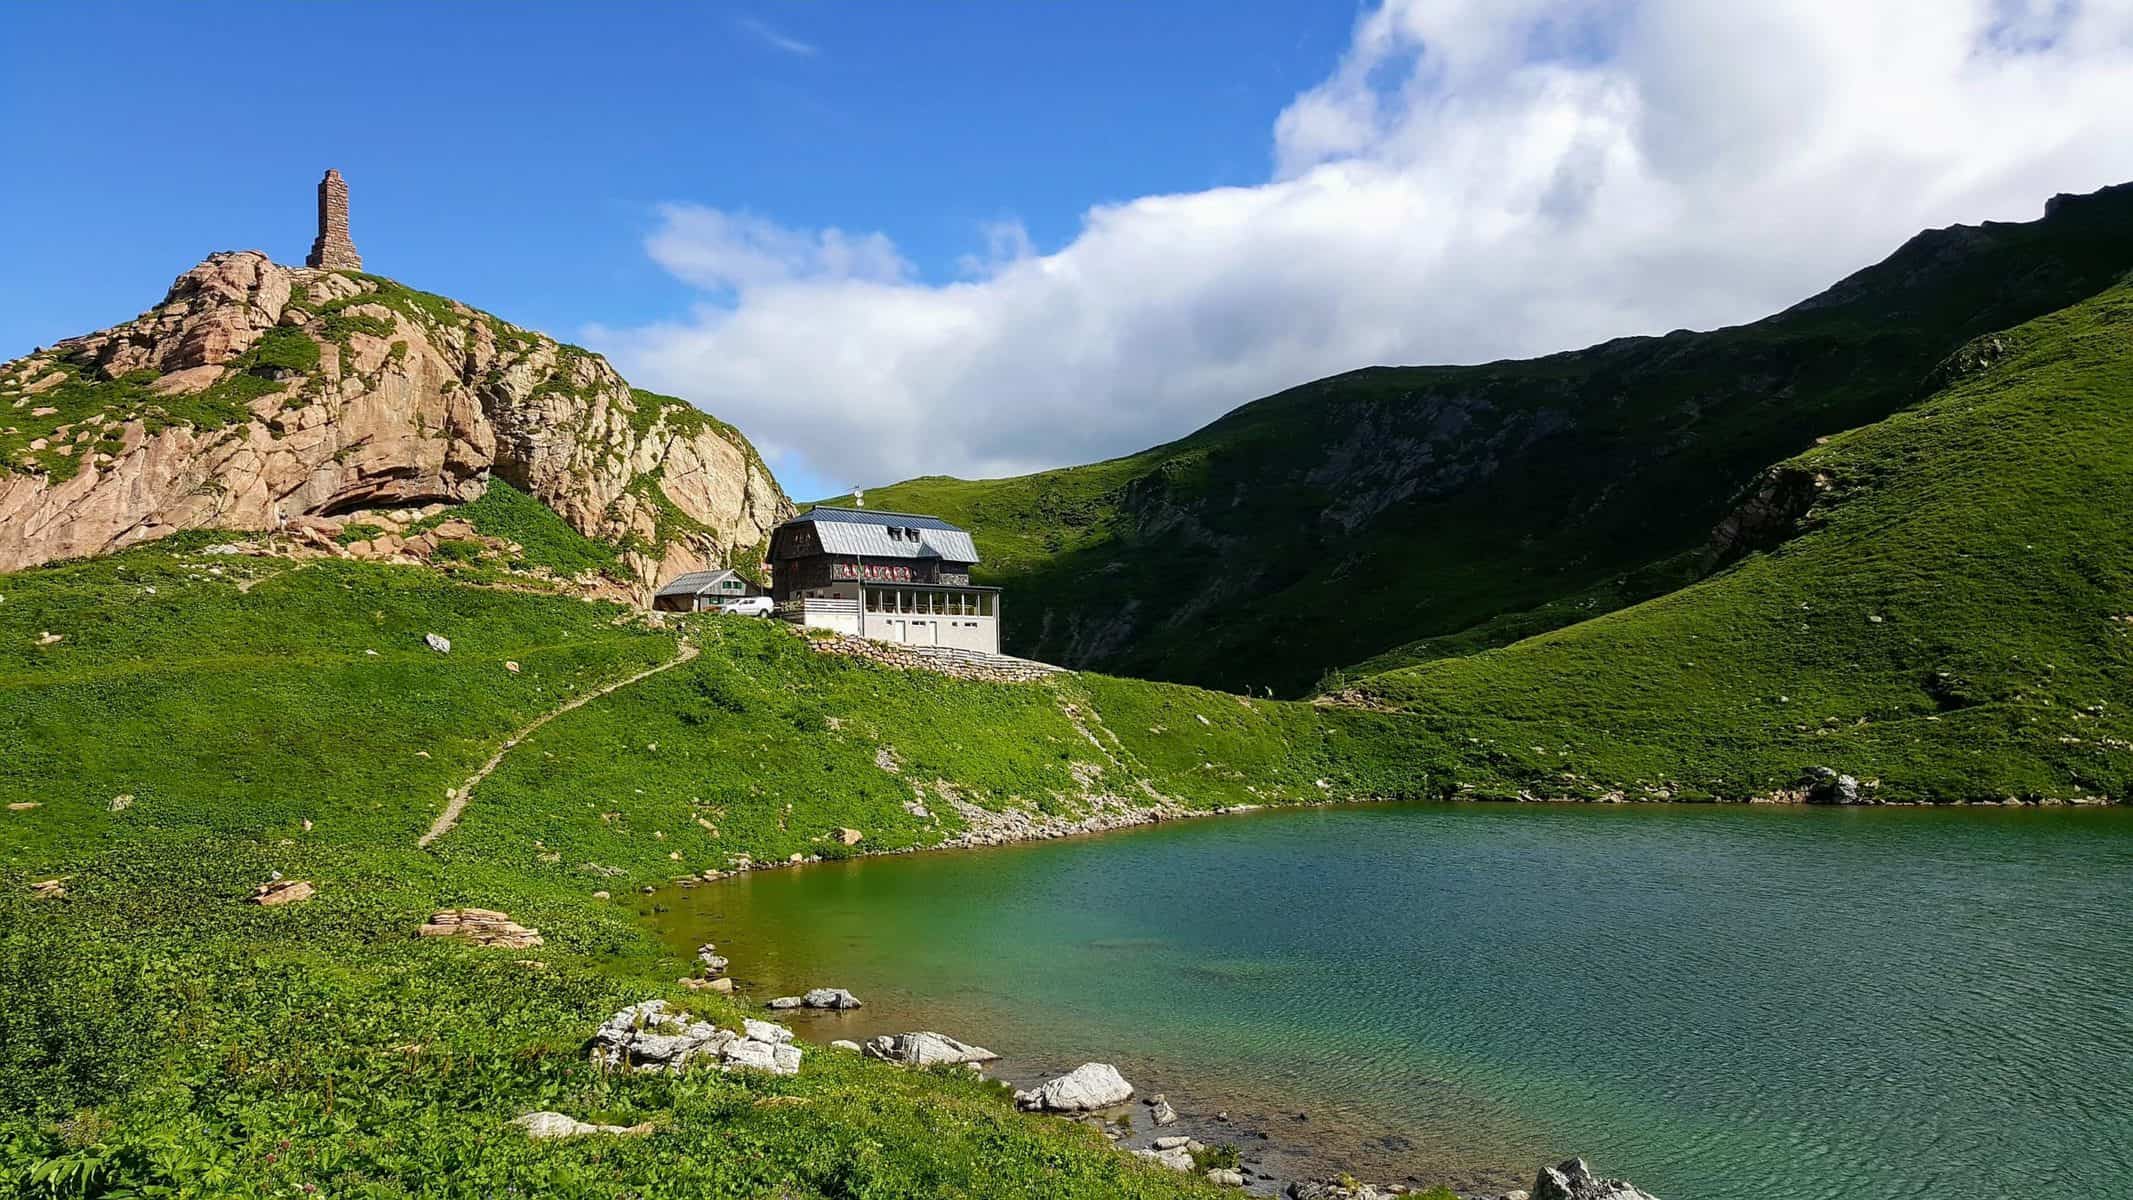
pixel 696 583
pixel 865 531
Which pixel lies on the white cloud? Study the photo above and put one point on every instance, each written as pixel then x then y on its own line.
pixel 776 38
pixel 1477 179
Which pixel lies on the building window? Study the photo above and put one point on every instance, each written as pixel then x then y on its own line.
pixel 985 604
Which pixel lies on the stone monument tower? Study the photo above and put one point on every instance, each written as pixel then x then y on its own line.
pixel 333 250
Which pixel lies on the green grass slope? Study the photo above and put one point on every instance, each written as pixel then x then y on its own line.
pixel 1954 616
pixel 1419 511
pixel 206 720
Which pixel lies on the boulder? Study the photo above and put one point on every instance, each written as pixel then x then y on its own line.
pixel 1088 1086
pixel 1162 1114
pixel 542 1125
pixel 764 1031
pixel 849 837
pixel 1825 786
pixel 49 889
pixel 650 1036
pixel 1226 1177
pixel 283 891
pixel 482 927
pixel 846 1044
pixel 437 642
pixel 832 998
pixel 925 1049
pixel 755 1054
pixel 1573 1180
pixel 1177 1158
pixel 781 1003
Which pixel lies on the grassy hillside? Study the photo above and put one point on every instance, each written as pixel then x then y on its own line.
pixel 1431 510
pixel 206 720
pixel 1938 602
pixel 1953 617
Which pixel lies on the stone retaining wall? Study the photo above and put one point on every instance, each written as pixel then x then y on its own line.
pixel 946 660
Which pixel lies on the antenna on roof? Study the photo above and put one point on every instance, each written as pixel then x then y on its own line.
pixel 859 498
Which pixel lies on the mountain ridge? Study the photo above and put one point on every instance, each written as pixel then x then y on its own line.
pixel 1420 503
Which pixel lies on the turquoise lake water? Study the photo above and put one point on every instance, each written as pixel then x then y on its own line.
pixel 1719 1004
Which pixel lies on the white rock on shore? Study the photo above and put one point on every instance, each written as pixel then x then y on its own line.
pixel 925 1049
pixel 649 1036
pixel 1573 1180
pixel 1088 1086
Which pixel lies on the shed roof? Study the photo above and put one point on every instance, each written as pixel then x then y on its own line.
pixel 865 531
pixel 696 583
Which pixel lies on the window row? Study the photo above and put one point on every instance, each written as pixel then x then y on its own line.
pixel 946 604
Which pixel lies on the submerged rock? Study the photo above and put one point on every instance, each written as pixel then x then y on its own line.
pixel 1573 1180
pixel 925 1049
pixel 1088 1086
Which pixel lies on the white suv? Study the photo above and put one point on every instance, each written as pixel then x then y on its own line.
pixel 748 606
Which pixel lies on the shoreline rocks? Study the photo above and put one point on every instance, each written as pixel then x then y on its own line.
pixel 1086 1087
pixel 834 999
pixel 925 1049
pixel 1572 1179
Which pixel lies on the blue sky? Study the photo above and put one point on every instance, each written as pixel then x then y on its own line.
pixel 890 239
pixel 513 155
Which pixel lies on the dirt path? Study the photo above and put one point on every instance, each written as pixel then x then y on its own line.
pixel 458 804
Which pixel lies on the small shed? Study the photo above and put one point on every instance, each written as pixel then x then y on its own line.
pixel 700 591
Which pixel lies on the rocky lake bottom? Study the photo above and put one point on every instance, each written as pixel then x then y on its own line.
pixel 1716 1003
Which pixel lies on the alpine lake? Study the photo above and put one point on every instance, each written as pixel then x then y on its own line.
pixel 1717 1003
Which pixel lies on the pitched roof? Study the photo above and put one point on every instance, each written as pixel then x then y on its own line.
pixel 695 583
pixel 865 531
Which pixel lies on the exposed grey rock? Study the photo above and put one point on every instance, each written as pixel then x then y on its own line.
pixel 755 1054
pixel 1163 1114
pixel 1826 786
pixel 1175 1158
pixel 764 1031
pixel 925 1049
pixel 784 1002
pixel 843 1044
pixel 1573 1180
pixel 442 645
pixel 1171 1143
pixel 648 1036
pixel 1088 1086
pixel 1226 1177
pixel 836 998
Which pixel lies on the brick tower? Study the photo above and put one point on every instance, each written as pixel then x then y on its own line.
pixel 333 250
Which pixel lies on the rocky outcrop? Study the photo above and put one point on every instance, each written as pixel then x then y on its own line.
pixel 925 1049
pixel 1087 1087
pixel 650 1036
pixel 481 927
pixel 256 393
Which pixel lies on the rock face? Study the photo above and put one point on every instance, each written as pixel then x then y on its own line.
pixel 1573 1180
pixel 256 393
pixel 1088 1086
pixel 925 1050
